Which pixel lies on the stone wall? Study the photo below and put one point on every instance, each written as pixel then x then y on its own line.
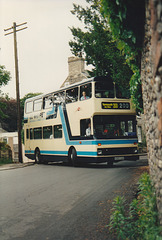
pixel 151 76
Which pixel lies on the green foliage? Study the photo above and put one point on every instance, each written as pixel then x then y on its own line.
pixel 5 161
pixel 4 79
pixel 4 76
pixel 8 116
pixel 3 157
pixel 8 111
pixel 126 20
pixel 142 220
pixel 4 146
pixel 136 90
pixel 96 45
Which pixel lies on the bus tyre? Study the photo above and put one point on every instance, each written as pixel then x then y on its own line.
pixel 73 157
pixel 37 156
pixel 110 163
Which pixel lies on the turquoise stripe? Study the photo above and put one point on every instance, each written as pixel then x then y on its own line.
pixel 54 152
pixel 80 153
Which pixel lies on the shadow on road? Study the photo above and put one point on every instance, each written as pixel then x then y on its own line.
pixel 123 164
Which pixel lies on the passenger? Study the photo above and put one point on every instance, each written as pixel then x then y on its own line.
pixel 84 97
pixel 88 130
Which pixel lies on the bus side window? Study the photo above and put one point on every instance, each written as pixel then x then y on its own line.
pixel 72 95
pixel 27 133
pixel 85 127
pixel 58 131
pixel 38 104
pixel 47 103
pixel 59 97
pixel 29 107
pixel 47 132
pixel 37 133
pixel 85 91
pixel 31 133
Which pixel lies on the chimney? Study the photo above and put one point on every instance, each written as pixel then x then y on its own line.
pixel 76 65
pixel 77 71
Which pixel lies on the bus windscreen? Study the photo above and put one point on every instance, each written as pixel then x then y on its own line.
pixel 115 126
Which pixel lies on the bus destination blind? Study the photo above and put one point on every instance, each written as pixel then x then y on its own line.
pixel 115 105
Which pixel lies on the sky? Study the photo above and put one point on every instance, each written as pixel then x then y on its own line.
pixel 43 48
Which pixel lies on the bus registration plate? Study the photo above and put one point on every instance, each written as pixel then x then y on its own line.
pixel 119 158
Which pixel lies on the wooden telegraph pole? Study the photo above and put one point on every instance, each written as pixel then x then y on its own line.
pixel 14 30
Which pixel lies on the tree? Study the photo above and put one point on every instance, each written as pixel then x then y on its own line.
pixel 95 43
pixel 4 76
pixel 126 20
pixel 8 118
pixel 4 79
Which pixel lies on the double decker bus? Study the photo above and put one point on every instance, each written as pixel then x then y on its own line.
pixel 89 121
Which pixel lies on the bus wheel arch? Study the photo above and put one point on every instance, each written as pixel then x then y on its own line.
pixel 37 156
pixel 72 156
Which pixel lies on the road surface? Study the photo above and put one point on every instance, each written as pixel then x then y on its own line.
pixel 59 202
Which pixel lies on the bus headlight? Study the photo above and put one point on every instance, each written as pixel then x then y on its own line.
pixel 135 150
pixel 99 151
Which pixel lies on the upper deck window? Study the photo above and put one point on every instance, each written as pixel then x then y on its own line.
pixel 104 90
pixel 38 104
pixel 47 103
pixel 72 95
pixel 85 91
pixel 59 97
pixel 29 107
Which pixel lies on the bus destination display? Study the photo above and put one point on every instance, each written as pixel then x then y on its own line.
pixel 115 105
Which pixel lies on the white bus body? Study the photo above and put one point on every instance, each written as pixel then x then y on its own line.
pixel 55 125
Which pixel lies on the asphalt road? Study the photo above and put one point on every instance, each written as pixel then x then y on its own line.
pixel 58 202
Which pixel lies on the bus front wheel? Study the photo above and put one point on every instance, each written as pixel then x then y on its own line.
pixel 37 156
pixel 110 163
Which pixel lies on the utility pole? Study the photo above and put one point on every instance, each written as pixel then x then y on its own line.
pixel 14 30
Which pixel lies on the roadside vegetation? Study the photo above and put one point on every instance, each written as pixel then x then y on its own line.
pixel 5 153
pixel 139 221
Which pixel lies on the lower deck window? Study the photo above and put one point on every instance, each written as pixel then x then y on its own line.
pixel 31 133
pixel 85 127
pixel 47 132
pixel 37 133
pixel 27 133
pixel 58 131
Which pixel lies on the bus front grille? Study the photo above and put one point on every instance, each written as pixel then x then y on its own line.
pixel 117 151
